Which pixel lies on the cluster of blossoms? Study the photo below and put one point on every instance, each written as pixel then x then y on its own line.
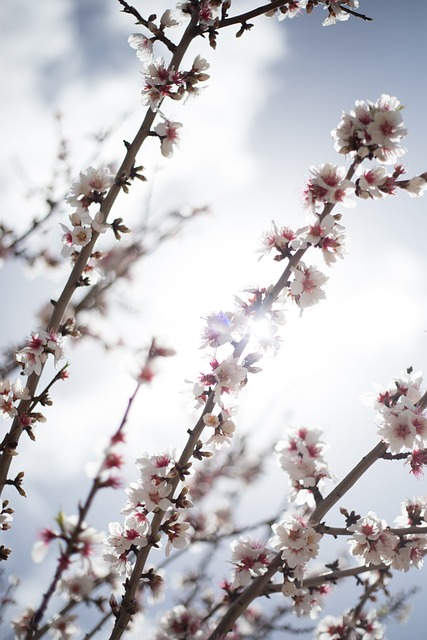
pixel 10 393
pixel 374 543
pixel 373 130
pixel 161 81
pixel 250 558
pixel 149 494
pixel 336 9
pixel 363 627
pixel 301 456
pixel 402 423
pixel 297 541
pixel 34 355
pixel 91 188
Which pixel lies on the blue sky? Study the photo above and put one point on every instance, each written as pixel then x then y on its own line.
pixel 264 118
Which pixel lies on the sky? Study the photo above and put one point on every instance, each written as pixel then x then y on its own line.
pixel 247 144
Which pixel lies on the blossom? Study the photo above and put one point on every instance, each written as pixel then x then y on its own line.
pixel 21 624
pixel 250 558
pixel 306 287
pixel 372 541
pixel 328 185
pixel 11 392
pixel 373 130
pixel 62 627
pixel 416 186
pixel 223 433
pixel 301 456
pixel 142 44
pixel 281 238
pixel 336 12
pixel 178 534
pixel 91 186
pixel 223 327
pixel 168 132
pixel 297 541
pixel 310 602
pixel 76 587
pixel 42 343
pixel 403 426
pixel 77 236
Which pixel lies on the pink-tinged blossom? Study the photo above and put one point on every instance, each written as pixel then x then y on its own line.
pixel 9 394
pixel 413 512
pixel 336 12
pixel 410 552
pixel 33 356
pixel 372 541
pixel 77 587
pixel 76 237
pixel 328 185
pixel 84 543
pixel 372 130
pixel 407 384
pixel 297 541
pixel 250 558
pixel 178 535
pixel 180 622
pixel 403 426
pixel 372 183
pixel 223 434
pixel 290 10
pixel 142 44
pixel 301 456
pixel 306 287
pixel 63 627
pixel 91 187
pixel 310 602
pixel 21 624
pixel 169 134
pixel 417 460
pixel 281 239
pixel 364 627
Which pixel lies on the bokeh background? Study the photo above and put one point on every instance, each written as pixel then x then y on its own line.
pixel 247 143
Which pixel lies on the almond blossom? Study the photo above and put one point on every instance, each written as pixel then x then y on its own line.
pixel 301 456
pixel 39 346
pixel 372 130
pixel 372 541
pixel 168 133
pixel 306 287
pixel 297 541
pixel 328 184
pixel 250 558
